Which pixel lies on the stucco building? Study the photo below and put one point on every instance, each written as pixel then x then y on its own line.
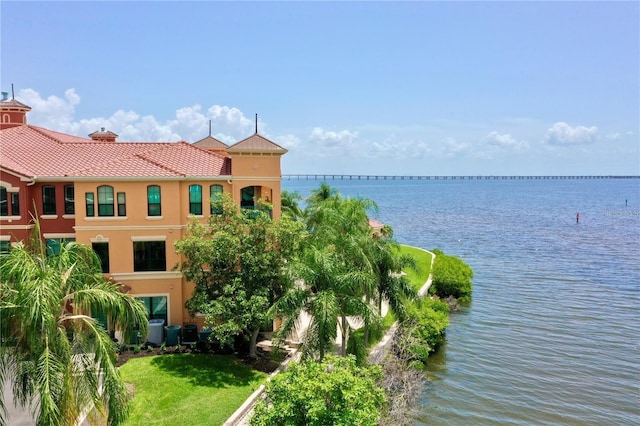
pixel 130 201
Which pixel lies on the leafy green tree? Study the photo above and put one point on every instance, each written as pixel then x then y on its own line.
pixel 60 359
pixel 237 263
pixel 332 392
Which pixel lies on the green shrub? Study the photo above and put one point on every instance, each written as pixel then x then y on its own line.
pixel 423 330
pixel 451 277
pixel 332 392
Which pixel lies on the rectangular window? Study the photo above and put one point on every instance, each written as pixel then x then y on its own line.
pixel 4 202
pixel 105 200
pixel 48 199
pixel 53 245
pixel 195 199
pixel 91 206
pixel 153 201
pixel 216 197
pixel 149 256
pixel 102 250
pixel 5 246
pixel 15 204
pixel 122 204
pixel 69 200
pixel 156 307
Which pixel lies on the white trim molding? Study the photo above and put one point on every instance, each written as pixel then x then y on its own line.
pixel 137 238
pixel 160 275
pixel 59 235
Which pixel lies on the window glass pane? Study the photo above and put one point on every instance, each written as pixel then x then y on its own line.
pixel 149 256
pixel 105 201
pixel 156 307
pixel 216 195
pixel 122 204
pixel 48 200
pixel 247 195
pixel 15 204
pixel 195 199
pixel 4 202
pixel 69 199
pixel 90 204
pixel 54 244
pixel 5 246
pixel 102 250
pixel 153 201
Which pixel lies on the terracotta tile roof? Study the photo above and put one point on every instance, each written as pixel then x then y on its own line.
pixel 375 224
pixel 41 153
pixel 256 143
pixel 210 143
pixel 12 103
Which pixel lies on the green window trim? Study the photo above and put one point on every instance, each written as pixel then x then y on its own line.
pixel 154 201
pixel 195 199
pixel 105 200
pixel 122 204
pixel 215 193
pixel 69 200
pixel 90 204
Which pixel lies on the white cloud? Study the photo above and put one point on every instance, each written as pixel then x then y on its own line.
pixel 451 148
pixel 505 141
pixel 191 123
pixel 562 134
pixel 329 142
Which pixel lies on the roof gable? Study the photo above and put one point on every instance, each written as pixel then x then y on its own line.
pixel 258 144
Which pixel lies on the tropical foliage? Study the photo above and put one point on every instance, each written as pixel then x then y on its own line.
pixel 59 359
pixel 423 329
pixel 451 277
pixel 332 392
pixel 237 264
pixel 343 274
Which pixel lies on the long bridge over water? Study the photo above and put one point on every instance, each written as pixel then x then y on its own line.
pixel 460 177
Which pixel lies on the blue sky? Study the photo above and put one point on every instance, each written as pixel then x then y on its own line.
pixel 395 88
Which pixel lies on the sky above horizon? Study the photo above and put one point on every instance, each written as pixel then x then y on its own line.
pixel 379 88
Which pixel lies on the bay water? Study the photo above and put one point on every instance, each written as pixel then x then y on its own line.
pixel 552 336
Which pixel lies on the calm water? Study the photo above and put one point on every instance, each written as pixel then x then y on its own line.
pixel 553 333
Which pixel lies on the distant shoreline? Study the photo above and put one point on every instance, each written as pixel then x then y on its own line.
pixel 330 176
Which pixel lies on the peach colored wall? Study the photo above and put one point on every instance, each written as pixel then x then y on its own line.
pixel 255 165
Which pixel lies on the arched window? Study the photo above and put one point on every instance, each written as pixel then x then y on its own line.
pixel 195 199
pixel 154 207
pixel 105 200
pixel 216 197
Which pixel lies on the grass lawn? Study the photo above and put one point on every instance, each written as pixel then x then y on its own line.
pixel 416 278
pixel 423 260
pixel 199 389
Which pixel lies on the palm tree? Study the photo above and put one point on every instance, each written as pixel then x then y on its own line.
pixel 392 285
pixel 329 291
pixel 60 359
pixel 336 275
pixel 290 202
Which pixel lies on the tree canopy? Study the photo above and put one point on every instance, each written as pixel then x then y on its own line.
pixel 237 263
pixel 332 392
